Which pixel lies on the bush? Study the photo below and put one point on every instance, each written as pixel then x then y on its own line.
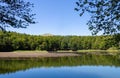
pixel 113 48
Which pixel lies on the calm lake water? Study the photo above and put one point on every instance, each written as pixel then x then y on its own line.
pixel 86 66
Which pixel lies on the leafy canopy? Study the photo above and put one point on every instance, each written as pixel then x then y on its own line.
pixel 105 15
pixel 15 13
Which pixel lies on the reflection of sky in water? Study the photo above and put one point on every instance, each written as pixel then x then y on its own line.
pixel 68 72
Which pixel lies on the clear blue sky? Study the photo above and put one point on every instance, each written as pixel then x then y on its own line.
pixel 57 17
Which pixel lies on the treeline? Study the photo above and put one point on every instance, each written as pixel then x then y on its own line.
pixel 10 41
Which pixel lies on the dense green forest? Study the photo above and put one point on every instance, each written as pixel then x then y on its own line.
pixel 11 41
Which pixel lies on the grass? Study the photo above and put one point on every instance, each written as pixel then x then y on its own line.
pixel 103 50
pixel 44 51
pixel 91 50
pixel 65 51
pixel 86 50
pixel 31 51
pixel 113 50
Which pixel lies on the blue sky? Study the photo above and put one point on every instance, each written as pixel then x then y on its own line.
pixel 57 17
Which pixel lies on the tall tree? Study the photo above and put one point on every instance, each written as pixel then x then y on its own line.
pixel 15 13
pixel 105 15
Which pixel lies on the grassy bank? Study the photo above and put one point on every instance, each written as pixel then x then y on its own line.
pixel 23 55
pixel 98 50
pixel 30 51
pixel 62 51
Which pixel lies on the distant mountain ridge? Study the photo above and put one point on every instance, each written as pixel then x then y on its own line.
pixel 47 34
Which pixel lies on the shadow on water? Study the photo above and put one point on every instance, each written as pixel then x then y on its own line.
pixel 10 66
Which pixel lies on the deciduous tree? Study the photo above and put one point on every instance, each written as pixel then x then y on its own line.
pixel 105 15
pixel 15 13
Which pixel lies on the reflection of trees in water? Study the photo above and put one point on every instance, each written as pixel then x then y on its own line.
pixel 9 66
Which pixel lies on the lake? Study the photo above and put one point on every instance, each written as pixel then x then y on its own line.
pixel 85 66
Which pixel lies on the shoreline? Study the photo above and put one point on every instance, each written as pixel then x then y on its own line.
pixel 29 55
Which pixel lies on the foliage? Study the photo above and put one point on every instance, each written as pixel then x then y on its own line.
pixel 105 15
pixel 113 48
pixel 11 41
pixel 15 13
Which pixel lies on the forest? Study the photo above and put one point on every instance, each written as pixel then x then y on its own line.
pixel 12 41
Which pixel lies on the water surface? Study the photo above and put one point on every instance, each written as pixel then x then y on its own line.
pixel 86 66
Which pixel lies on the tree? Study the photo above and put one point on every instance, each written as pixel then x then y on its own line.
pixel 15 13
pixel 105 15
pixel 74 43
pixel 64 43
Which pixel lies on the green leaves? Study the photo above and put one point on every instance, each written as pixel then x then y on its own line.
pixel 16 14
pixel 105 15
pixel 11 41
